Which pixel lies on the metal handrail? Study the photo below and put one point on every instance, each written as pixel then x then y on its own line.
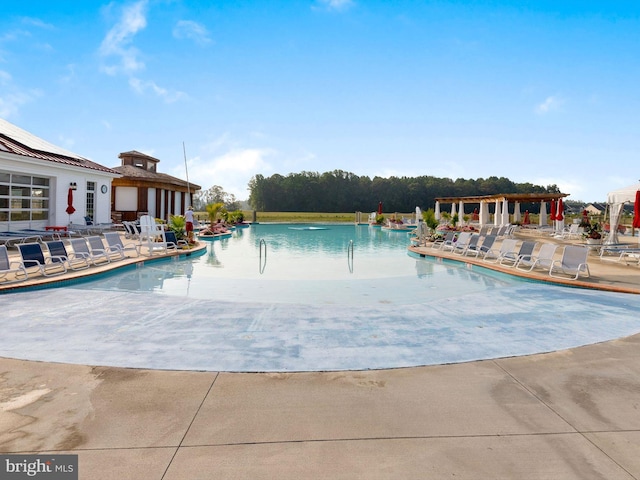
pixel 350 256
pixel 262 265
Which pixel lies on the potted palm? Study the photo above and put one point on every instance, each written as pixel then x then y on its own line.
pixel 592 234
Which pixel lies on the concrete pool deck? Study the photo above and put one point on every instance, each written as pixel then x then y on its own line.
pixel 571 414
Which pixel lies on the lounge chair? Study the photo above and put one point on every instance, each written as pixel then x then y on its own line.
pixel 59 252
pixel 461 242
pixel 481 250
pixel 115 244
pixel 573 262
pixel 97 247
pixel 507 247
pixel 510 259
pixel 81 249
pixel 544 258
pixel 461 248
pixel 173 242
pixel 132 230
pixel 446 240
pixel 33 257
pixel 11 271
pixel 572 231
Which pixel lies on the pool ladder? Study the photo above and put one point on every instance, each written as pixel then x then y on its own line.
pixel 350 256
pixel 263 263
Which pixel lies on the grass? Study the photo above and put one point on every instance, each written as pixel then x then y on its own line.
pixel 301 217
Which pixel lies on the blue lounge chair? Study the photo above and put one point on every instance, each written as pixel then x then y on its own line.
pixel 33 257
pixel 172 241
pixel 58 252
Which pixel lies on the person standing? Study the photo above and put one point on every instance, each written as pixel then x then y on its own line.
pixel 188 216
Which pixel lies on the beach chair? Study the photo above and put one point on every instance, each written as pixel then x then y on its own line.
pixel 153 234
pixel 172 240
pixel 59 252
pixel 573 262
pixel 507 247
pixel 97 247
pixel 446 240
pixel 33 257
pixel 461 249
pixel 544 258
pixel 115 245
pixel 481 250
pixel 81 249
pixel 460 241
pixel 510 259
pixel 11 271
pixel 572 231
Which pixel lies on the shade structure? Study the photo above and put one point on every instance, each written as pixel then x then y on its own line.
pixel 70 209
pixel 616 200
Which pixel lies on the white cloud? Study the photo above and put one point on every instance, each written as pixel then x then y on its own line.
pixel 12 98
pixel 231 170
pixel 336 5
pixel 187 29
pixel 140 86
pixel 117 42
pixel 36 22
pixel 550 104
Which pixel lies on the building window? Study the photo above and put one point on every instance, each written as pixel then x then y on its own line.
pixel 23 198
pixel 91 199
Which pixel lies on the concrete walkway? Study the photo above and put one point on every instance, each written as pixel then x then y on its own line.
pixel 565 415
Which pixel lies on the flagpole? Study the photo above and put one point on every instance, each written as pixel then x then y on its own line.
pixel 184 151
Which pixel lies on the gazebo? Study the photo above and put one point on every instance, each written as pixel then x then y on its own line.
pixel 501 201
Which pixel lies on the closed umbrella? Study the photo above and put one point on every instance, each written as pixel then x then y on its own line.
pixel 70 208
pixel 379 208
pixel 553 211
pixel 636 211
pixel 560 216
pixel 526 220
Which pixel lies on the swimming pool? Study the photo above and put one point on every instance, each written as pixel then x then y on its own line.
pixel 312 306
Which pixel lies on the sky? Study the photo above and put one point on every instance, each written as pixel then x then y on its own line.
pixel 538 91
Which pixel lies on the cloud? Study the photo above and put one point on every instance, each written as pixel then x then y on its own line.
pixel 336 5
pixel 550 104
pixel 187 29
pixel 140 86
pixel 12 98
pixel 117 42
pixel 36 22
pixel 231 169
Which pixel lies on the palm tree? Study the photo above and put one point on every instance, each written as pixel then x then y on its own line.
pixel 213 209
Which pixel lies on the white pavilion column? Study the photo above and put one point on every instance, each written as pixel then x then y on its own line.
pixel 505 212
pixel 461 212
pixel 484 213
pixel 453 210
pixel 543 213
pixel 497 217
pixel 437 210
pixel 516 212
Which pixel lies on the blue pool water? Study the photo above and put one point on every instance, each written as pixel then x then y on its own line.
pixel 341 297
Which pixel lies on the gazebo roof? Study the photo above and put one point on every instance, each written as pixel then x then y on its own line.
pixel 511 197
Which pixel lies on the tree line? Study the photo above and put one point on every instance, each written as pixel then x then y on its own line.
pixel 339 191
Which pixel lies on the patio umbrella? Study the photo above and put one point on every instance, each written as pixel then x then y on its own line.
pixel 379 208
pixel 70 208
pixel 560 216
pixel 526 220
pixel 636 211
pixel 553 211
pixel 585 216
pixel 475 217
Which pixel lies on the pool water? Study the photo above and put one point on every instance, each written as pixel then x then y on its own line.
pixel 313 305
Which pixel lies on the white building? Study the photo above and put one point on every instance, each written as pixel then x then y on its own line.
pixel 35 182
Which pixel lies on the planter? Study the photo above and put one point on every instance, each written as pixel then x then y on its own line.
pixel 594 241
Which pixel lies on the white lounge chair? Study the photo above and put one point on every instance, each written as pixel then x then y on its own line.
pixel 544 258
pixel 446 240
pixel 11 271
pixel 510 259
pixel 481 250
pixel 115 245
pixel 573 262
pixel 460 242
pixel 507 247
pixel 81 249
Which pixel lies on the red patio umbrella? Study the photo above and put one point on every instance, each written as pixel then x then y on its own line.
pixel 526 220
pixel 553 210
pixel 636 211
pixel 560 216
pixel 70 208
pixel 379 208
pixel 585 216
